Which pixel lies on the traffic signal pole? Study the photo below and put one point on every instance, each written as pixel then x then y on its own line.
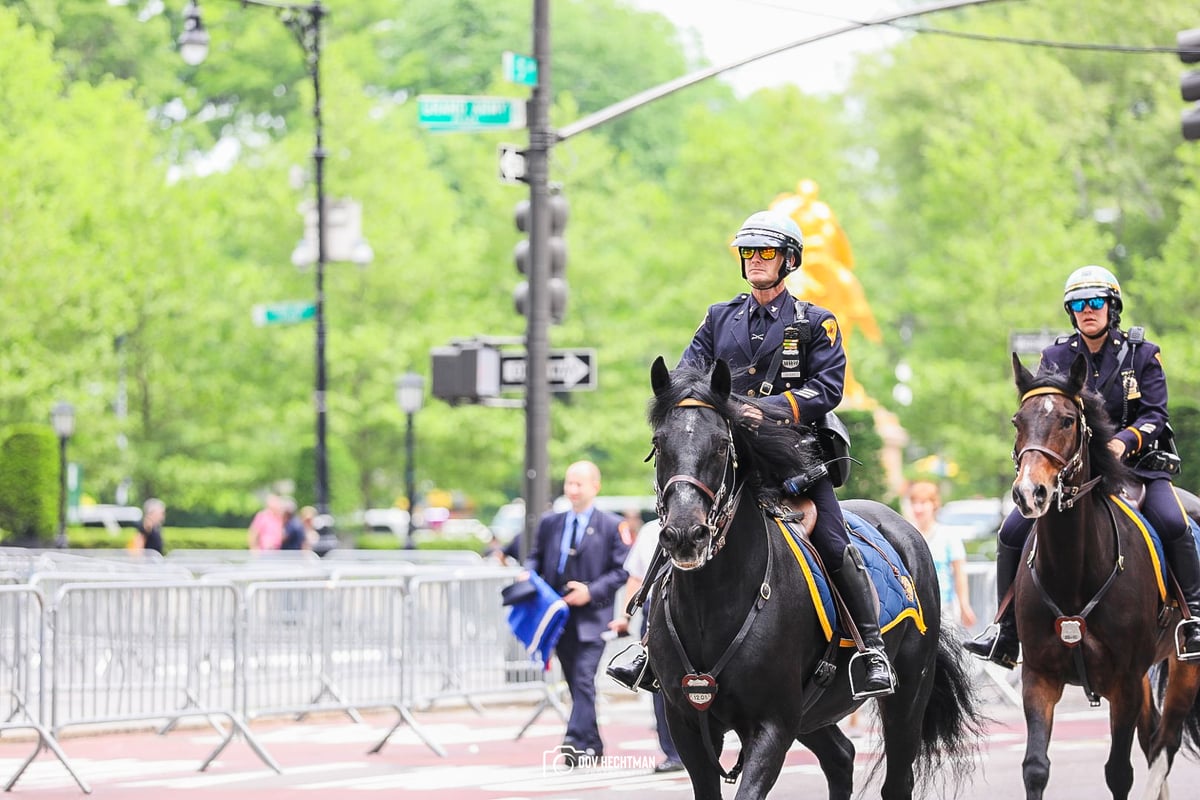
pixel 542 139
pixel 537 340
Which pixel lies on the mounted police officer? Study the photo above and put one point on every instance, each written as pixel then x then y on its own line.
pixel 788 355
pixel 1127 372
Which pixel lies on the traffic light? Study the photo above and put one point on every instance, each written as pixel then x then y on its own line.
pixel 1188 49
pixel 523 256
pixel 465 372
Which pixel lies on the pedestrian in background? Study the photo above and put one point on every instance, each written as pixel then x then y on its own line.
pixel 293 526
pixel 581 552
pixel 949 555
pixel 266 529
pixel 148 534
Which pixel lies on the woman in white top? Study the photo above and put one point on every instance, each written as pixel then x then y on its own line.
pixel 949 556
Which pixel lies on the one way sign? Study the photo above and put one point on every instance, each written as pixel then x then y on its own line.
pixel 566 370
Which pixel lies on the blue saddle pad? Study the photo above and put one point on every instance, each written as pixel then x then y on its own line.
pixel 1154 541
pixel 897 597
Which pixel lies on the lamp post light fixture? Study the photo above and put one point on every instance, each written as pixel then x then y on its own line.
pixel 410 395
pixel 304 21
pixel 62 417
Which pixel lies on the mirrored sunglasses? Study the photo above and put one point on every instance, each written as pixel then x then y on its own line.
pixel 1094 303
pixel 767 253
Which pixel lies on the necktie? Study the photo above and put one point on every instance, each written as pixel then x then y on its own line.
pixel 569 540
pixel 758 328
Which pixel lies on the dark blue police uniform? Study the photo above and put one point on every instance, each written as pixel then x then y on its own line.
pixel 807 383
pixel 597 560
pixel 1130 379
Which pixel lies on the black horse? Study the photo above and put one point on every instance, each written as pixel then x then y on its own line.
pixel 1089 606
pixel 736 630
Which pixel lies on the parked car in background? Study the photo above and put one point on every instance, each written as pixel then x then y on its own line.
pixel 974 519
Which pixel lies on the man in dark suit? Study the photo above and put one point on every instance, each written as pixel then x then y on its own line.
pixel 581 552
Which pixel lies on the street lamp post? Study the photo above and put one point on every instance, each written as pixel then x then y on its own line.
pixel 62 417
pixel 304 21
pixel 410 395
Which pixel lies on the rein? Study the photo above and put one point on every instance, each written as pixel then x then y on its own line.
pixel 1066 495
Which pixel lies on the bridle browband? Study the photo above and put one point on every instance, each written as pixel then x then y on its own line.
pixel 723 500
pixel 1066 495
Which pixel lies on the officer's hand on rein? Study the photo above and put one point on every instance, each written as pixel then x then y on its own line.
pixel 1116 447
pixel 752 415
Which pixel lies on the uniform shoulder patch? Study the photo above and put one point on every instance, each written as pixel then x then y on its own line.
pixel 831 330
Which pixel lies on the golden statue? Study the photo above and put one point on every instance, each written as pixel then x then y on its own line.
pixel 826 276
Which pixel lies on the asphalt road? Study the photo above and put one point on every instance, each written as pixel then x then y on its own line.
pixel 327 757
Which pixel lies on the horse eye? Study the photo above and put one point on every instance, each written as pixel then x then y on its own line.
pixel 1067 422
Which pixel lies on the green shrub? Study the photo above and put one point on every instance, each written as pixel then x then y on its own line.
pixel 29 483
pixel 867 480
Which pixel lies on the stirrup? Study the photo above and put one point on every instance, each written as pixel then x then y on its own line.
pixel 1179 628
pixel 855 693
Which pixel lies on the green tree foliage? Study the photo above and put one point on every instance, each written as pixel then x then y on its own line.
pixel 148 205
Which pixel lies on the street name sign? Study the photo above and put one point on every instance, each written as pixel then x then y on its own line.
pixel 519 69
pixel 566 370
pixel 287 312
pixel 464 112
pixel 1030 342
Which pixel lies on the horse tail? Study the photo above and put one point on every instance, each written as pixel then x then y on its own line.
pixel 954 721
pixel 1190 733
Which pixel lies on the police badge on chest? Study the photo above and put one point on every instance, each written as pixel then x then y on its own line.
pixel 791 347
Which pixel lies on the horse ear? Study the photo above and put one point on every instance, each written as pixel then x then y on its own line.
pixel 1078 373
pixel 721 380
pixel 1023 376
pixel 660 376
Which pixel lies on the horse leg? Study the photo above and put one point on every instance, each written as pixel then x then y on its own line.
pixel 835 754
pixel 1124 708
pixel 1183 681
pixel 1040 694
pixel 689 742
pixel 764 748
pixel 1148 719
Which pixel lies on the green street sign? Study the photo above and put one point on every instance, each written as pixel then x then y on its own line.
pixel 463 112
pixel 287 312
pixel 519 69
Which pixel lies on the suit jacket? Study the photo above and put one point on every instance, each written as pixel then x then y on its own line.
pixel 598 562
pixel 812 373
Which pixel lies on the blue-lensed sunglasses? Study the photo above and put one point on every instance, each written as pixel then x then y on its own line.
pixel 1094 303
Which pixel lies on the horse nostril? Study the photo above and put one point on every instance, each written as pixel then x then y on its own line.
pixel 698 533
pixel 1040 494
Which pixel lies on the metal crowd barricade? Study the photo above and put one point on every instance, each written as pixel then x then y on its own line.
pixel 460 642
pixel 328 645
pixel 129 651
pixel 452 558
pixel 23 674
pixel 257 557
pixel 981 587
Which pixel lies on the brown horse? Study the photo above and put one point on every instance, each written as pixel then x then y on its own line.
pixel 1089 607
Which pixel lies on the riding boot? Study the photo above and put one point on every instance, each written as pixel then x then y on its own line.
pixel 854 585
pixel 1181 555
pixel 998 643
pixel 637 674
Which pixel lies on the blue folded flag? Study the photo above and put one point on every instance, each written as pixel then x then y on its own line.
pixel 538 622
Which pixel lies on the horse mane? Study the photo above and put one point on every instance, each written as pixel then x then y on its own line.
pixel 769 453
pixel 1112 471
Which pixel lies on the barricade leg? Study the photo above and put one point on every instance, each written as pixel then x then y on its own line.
pixel 549 699
pixel 239 729
pixel 45 742
pixel 406 717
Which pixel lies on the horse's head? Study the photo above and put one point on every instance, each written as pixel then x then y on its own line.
pixel 1061 447
pixel 695 459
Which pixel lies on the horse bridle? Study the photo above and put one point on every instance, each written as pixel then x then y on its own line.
pixel 1066 495
pixel 723 500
